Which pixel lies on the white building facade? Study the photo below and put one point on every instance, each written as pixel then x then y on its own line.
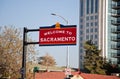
pixel 100 22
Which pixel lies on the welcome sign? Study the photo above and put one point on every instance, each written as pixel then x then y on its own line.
pixel 57 35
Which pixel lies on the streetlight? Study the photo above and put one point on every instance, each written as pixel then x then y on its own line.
pixel 67 56
pixel 60 17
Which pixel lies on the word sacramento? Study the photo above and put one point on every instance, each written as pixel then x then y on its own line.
pixel 57 39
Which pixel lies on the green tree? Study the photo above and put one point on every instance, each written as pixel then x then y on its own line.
pixel 47 60
pixel 111 68
pixel 93 62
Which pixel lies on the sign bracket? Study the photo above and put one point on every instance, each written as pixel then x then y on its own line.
pixel 25 43
pixel 68 33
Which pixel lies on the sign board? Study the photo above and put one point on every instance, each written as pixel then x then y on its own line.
pixel 57 35
pixel 67 71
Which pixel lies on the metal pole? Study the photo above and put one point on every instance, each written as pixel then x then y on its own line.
pixel 67 55
pixel 23 70
pixel 25 43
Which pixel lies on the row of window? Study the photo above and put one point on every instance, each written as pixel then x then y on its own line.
pixel 89 37
pixel 89 30
pixel 92 6
pixel 89 24
pixel 92 24
pixel 92 17
pixel 95 42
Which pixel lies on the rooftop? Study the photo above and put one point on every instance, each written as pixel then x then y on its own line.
pixel 61 75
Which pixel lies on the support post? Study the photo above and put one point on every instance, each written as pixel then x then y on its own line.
pixel 25 43
pixel 23 70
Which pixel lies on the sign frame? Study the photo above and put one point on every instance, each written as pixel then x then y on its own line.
pixel 57 35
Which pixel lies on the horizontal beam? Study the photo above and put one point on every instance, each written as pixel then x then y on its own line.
pixel 31 43
pixel 31 30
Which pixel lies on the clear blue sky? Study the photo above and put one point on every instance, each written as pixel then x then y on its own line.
pixel 37 13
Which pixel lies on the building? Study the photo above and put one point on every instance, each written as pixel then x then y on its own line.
pixel 100 22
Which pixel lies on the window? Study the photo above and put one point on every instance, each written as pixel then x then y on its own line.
pixel 96 36
pixel 81 50
pixel 96 30
pixel 91 30
pixel 81 45
pixel 96 17
pixel 91 37
pixel 87 18
pixel 87 24
pixel 87 5
pixel 81 26
pixel 81 32
pixel 87 36
pixel 96 6
pixel 92 6
pixel 95 42
pixel 96 23
pixel 91 18
pixel 81 38
pixel 81 20
pixel 81 6
pixel 80 57
pixel 87 30
pixel 91 24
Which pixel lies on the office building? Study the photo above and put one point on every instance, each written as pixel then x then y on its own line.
pixel 100 22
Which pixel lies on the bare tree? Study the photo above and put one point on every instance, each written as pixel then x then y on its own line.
pixel 47 60
pixel 11 51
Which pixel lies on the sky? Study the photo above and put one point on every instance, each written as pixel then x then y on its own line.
pixel 33 14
